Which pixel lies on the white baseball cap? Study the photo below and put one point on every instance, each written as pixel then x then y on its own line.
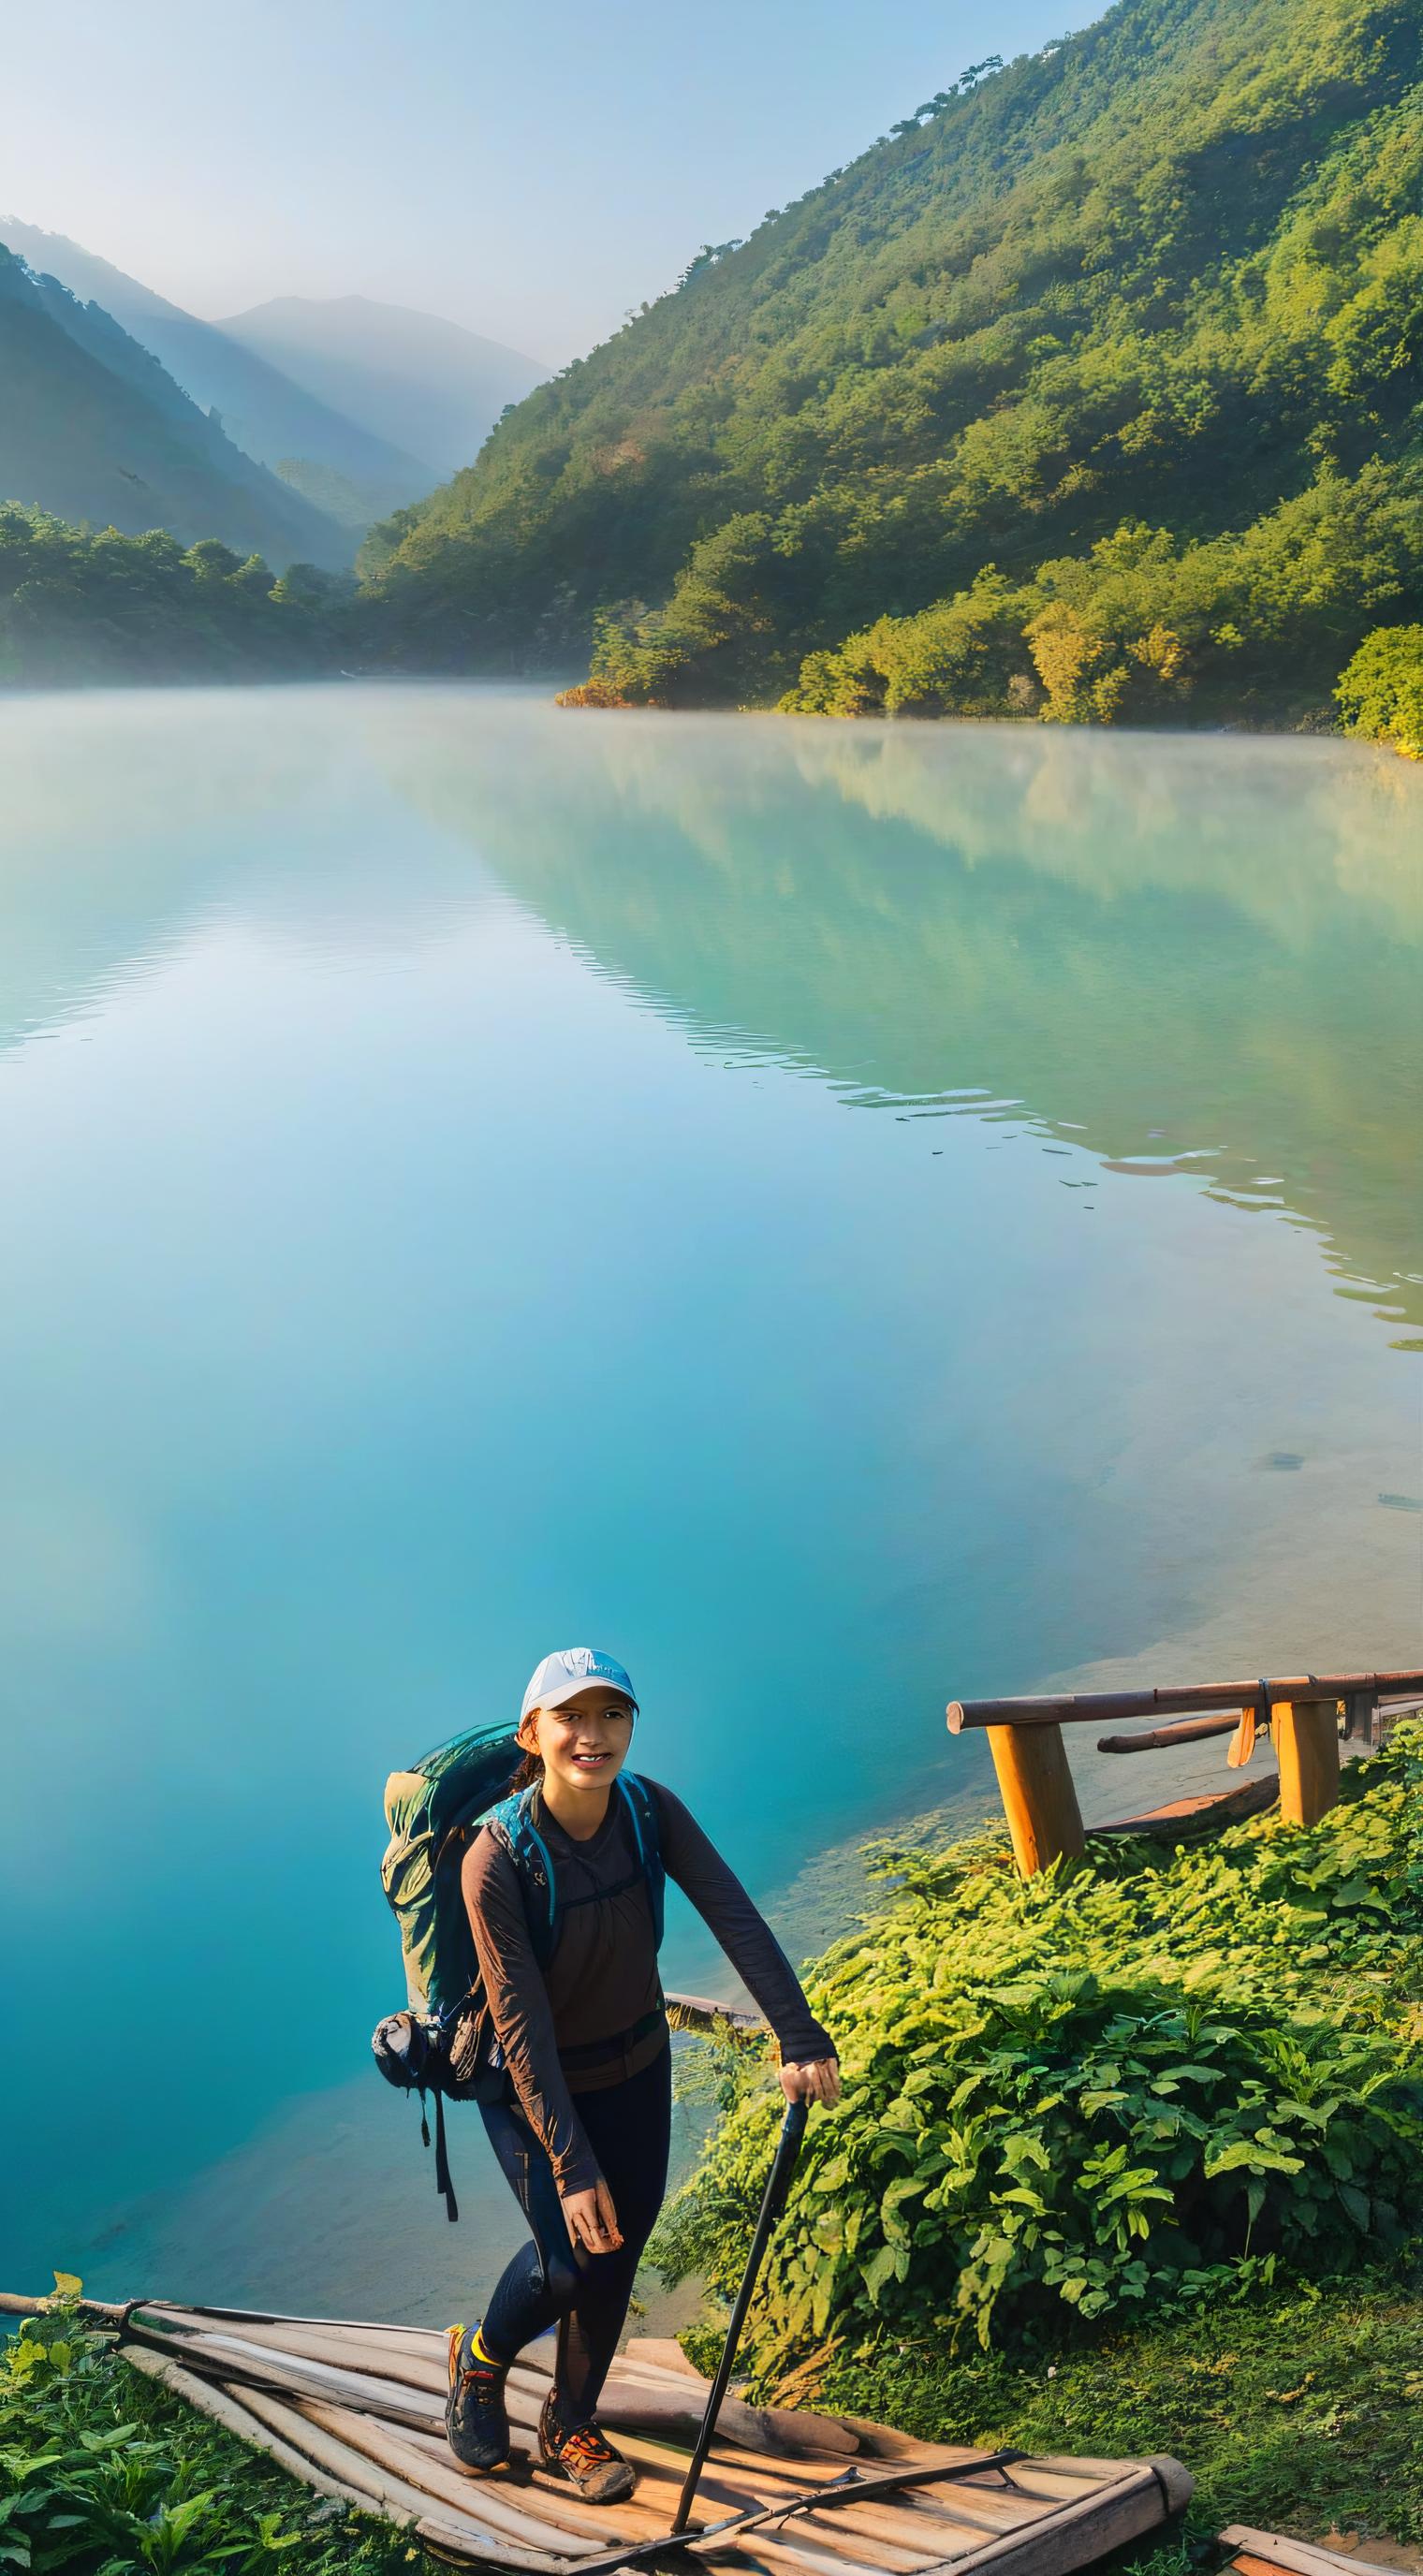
pixel 573 1669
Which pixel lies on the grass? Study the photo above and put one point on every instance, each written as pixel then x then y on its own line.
pixel 1301 2411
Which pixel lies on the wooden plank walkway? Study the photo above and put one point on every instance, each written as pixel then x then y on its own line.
pixel 357 2411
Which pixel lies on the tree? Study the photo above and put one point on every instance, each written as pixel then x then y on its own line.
pixel 214 562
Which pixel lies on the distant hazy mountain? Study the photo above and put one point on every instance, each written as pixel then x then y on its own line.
pixel 91 428
pixel 425 384
pixel 274 419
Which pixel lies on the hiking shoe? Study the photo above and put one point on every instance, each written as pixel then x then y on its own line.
pixel 585 2457
pixel 476 2424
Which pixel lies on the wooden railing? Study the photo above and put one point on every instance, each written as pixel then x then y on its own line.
pixel 1303 1715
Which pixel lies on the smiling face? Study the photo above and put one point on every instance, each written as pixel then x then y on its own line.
pixel 583 1744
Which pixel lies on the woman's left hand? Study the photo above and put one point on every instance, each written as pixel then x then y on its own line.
pixel 818 2080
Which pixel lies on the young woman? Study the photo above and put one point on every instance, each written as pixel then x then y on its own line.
pixel 582 2136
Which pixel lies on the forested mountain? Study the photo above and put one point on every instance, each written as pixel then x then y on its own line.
pixel 92 429
pixel 425 384
pixel 1136 321
pixel 270 417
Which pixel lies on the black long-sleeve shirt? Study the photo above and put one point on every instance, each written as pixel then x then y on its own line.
pixel 602 1980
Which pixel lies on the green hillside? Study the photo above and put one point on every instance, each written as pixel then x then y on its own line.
pixel 1135 321
pixel 91 429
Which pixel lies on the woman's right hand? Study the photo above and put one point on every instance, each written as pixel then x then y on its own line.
pixel 591 2219
pixel 816 2079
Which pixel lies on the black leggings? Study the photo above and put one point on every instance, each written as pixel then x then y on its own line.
pixel 550 2282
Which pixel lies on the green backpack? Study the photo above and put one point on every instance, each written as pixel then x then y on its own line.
pixel 445 2042
pixel 433 1811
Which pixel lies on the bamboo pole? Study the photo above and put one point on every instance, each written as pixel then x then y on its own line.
pixel 18 2303
pixel 395 2496
pixel 1306 1740
pixel 1080 1708
pixel 403 2363
pixel 249 2365
pixel 498 2504
pixel 223 2409
pixel 1159 1739
pixel 1039 1799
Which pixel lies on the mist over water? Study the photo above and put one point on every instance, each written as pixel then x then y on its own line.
pixel 845 1217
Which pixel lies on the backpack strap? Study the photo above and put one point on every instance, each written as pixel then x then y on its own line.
pixel 642 1808
pixel 443 2183
pixel 512 1825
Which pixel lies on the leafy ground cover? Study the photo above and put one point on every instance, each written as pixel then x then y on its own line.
pixel 1116 2090
pixel 104 2474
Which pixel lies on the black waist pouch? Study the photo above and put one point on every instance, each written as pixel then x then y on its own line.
pixel 457 2058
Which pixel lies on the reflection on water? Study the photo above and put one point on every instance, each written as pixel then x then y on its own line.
pixel 1181 953
pixel 850 1217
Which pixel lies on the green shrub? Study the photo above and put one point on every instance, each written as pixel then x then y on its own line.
pixel 966 656
pixel 1381 690
pixel 1144 628
pixel 633 663
pixel 1114 2087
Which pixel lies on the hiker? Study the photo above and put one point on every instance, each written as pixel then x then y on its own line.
pixel 582 2133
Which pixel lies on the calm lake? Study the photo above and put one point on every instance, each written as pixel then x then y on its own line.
pixel 843 1217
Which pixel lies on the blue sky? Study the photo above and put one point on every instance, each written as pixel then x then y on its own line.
pixel 531 171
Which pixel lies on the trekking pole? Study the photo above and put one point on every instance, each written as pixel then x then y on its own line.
pixel 773 2202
